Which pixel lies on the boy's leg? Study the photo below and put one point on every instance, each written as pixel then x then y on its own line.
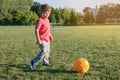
pixel 39 55
pixel 34 61
pixel 44 53
pixel 47 53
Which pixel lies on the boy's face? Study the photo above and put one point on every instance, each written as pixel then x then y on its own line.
pixel 45 14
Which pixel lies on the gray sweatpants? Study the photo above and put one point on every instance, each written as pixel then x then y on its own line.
pixel 43 54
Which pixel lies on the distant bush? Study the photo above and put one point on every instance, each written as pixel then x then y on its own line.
pixel 19 18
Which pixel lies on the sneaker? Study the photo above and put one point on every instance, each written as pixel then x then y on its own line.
pixel 49 65
pixel 32 66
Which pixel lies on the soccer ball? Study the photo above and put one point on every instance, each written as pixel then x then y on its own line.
pixel 81 65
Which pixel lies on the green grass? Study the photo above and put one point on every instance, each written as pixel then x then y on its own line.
pixel 100 45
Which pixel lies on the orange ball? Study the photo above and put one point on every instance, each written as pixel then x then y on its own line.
pixel 81 65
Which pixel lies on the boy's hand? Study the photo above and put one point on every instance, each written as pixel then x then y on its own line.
pixel 39 42
pixel 51 38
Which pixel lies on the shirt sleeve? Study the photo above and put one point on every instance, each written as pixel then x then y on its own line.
pixel 38 24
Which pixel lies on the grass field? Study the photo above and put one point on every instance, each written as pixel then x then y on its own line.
pixel 100 45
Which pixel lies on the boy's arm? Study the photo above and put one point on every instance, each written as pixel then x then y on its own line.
pixel 51 37
pixel 37 36
pixel 38 25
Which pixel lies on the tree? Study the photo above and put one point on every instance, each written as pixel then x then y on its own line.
pixel 88 17
pixel 78 18
pixel 15 12
pixel 7 6
pixel 65 15
pixel 24 18
pixel 108 13
pixel 52 17
pixel 4 7
pixel 36 8
pixel 58 16
pixel 73 18
pixel 101 16
pixel 23 5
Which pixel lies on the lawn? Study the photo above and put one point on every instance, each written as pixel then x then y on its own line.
pixel 100 45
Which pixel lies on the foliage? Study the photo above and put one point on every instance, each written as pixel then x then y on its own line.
pixel 73 17
pixel 16 12
pixel 88 17
pixel 108 11
pixel 102 13
pixel 36 8
pixel 20 18
pixel 11 11
pixel 7 6
pixel 100 45
pixel 24 18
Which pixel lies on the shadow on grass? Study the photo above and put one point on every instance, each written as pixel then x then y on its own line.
pixel 51 71
pixel 20 66
pixel 26 68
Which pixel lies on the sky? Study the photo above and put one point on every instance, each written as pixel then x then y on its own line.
pixel 78 5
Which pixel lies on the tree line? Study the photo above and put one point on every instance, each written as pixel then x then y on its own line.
pixel 16 12
pixel 25 12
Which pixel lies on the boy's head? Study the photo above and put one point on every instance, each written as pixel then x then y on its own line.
pixel 45 10
pixel 45 7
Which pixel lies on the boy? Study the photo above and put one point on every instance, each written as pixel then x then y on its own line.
pixel 43 35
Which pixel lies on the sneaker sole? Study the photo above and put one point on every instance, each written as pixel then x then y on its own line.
pixel 31 66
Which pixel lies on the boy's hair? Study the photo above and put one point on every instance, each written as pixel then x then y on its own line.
pixel 45 7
